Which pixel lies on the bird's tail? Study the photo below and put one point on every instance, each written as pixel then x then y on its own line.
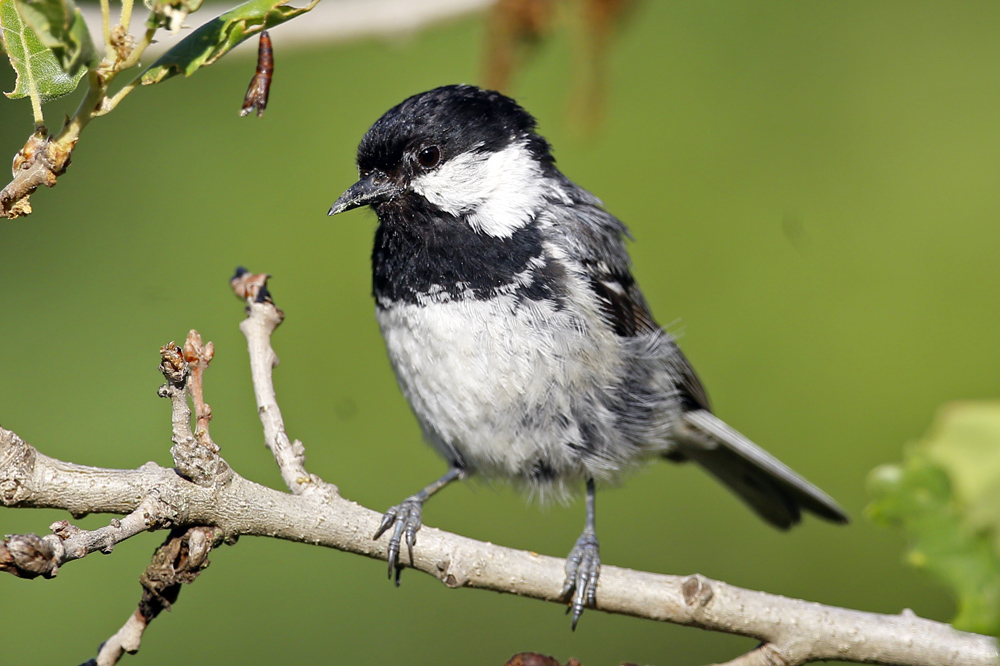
pixel 775 492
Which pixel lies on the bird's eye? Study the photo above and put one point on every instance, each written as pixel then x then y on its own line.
pixel 429 157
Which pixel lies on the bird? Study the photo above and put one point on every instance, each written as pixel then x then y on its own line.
pixel 518 334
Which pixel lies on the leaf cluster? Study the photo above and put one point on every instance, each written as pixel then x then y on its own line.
pixel 945 495
pixel 52 51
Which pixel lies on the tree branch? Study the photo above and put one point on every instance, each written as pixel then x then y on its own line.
pixel 204 491
pixel 262 320
pixel 178 561
pixel 799 631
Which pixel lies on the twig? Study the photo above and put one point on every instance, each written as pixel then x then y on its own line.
pixel 198 355
pixel 106 25
pixel 126 16
pixel 185 552
pixel 196 457
pixel 262 320
pixel 29 555
pixel 178 561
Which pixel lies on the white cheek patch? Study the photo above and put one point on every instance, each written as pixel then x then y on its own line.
pixel 498 192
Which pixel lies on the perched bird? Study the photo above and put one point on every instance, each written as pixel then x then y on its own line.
pixel 517 332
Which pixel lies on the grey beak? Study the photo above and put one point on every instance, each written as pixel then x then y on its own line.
pixel 372 189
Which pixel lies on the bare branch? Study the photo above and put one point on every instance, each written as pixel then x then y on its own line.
pixel 198 355
pixel 29 555
pixel 799 631
pixel 126 639
pixel 40 162
pixel 262 320
pixel 178 561
pixel 196 456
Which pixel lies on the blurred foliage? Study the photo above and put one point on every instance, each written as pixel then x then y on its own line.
pixel 519 29
pixel 945 495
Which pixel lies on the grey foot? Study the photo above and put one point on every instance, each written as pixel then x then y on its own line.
pixel 583 567
pixel 406 518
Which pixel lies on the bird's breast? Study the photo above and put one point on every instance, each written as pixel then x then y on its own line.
pixel 502 385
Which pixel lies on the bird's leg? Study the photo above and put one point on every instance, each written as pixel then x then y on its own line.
pixel 406 517
pixel 583 565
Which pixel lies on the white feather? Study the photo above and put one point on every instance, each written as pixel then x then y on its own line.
pixel 498 192
pixel 473 369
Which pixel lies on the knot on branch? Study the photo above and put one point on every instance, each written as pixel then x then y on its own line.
pixel 696 590
pixel 252 288
pixel 199 463
pixel 40 162
pixel 767 654
pixel 177 562
pixel 30 556
pixel 122 42
pixel 17 461
pixel 173 366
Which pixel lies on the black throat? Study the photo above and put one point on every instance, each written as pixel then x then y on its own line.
pixel 423 255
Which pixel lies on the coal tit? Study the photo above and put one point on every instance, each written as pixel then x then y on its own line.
pixel 517 332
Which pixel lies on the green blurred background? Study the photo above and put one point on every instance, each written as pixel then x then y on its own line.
pixel 813 192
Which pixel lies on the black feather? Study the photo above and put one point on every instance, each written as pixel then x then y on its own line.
pixel 419 248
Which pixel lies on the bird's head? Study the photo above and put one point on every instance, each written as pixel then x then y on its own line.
pixel 456 152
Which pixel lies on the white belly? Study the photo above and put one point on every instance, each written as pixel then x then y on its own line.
pixel 497 384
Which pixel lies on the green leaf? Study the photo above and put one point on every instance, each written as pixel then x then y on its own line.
pixel 60 27
pixel 39 74
pixel 946 497
pixel 965 442
pixel 217 37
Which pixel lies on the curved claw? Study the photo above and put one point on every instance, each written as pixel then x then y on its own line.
pixel 406 518
pixel 583 568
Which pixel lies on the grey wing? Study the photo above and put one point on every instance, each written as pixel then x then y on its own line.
pixel 771 488
pixel 601 250
pixel 626 311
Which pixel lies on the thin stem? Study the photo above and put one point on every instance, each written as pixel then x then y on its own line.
pixel 111 102
pixel 36 100
pixel 36 110
pixel 71 131
pixel 106 26
pixel 126 14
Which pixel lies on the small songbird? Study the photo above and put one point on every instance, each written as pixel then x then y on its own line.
pixel 517 332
